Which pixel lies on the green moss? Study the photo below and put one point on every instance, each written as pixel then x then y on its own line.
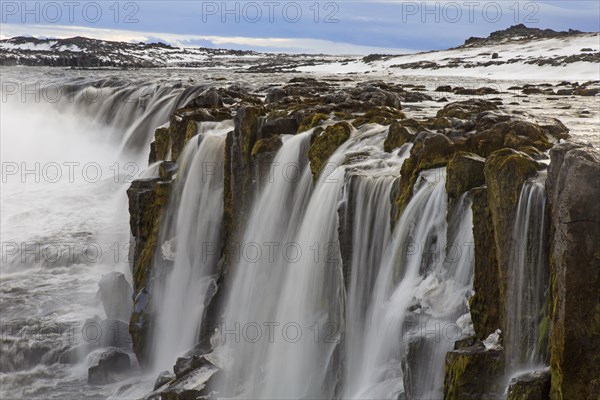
pixel 433 151
pixel 161 143
pixel 379 115
pixel 342 115
pixel 465 171
pixel 397 136
pixel 191 131
pixel 323 145
pixel 312 121
pixel 267 145
pixel 485 304
pixel 473 373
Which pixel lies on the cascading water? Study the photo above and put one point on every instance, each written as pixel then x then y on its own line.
pixel 528 279
pixel 371 234
pixel 424 219
pixel 256 287
pixel 301 290
pixel 380 327
pixel 50 277
pixel 194 233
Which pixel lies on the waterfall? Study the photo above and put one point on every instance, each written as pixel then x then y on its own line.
pixel 190 237
pixel 527 279
pixel 258 279
pixel 380 375
pixel 371 233
pixel 421 291
pixel 297 298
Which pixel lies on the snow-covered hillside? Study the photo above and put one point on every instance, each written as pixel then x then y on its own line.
pixel 514 53
pixel 556 55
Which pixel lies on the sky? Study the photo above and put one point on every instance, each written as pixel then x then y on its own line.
pixel 334 27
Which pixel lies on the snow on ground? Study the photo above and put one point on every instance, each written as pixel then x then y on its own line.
pixel 478 62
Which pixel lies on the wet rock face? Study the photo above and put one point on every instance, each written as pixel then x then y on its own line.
pixel 194 378
pixel 115 293
pixel 398 135
pixel 465 171
pixel 431 150
pixel 573 187
pixel 466 109
pixel 505 172
pixel 485 304
pixel 531 386
pixel 147 203
pixel 112 367
pixel 325 143
pixel 474 373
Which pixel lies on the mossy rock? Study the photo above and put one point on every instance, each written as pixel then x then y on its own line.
pixel 267 145
pixel 431 150
pixel 312 121
pixel 485 305
pixel 465 172
pixel 505 171
pixel 531 386
pixel 382 115
pixel 179 124
pixel 397 136
pixel 466 109
pixel 162 143
pixel 533 153
pixel 473 373
pixel 148 199
pixel 573 187
pixel 325 143
pixel 507 132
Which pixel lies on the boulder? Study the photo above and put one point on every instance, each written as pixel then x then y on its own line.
pixel 397 136
pixel 379 115
pixel 274 95
pixel 474 373
pixel 531 386
pixel 163 378
pixel 279 126
pixel 444 88
pixel 431 150
pixel 573 188
pixel 112 366
pixel 196 383
pixel 115 293
pixel 312 121
pixel 466 109
pixel 325 143
pixel 209 99
pixel 465 171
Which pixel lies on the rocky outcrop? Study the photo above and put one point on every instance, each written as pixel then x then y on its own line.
pixel 474 373
pixel 398 135
pixel 464 172
pixel 115 293
pixel 112 366
pixel 531 386
pixel 430 150
pixel 324 143
pixel 485 305
pixel 573 187
pixel 147 204
pixel 505 173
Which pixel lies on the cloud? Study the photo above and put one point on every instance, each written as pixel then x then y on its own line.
pixel 267 44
